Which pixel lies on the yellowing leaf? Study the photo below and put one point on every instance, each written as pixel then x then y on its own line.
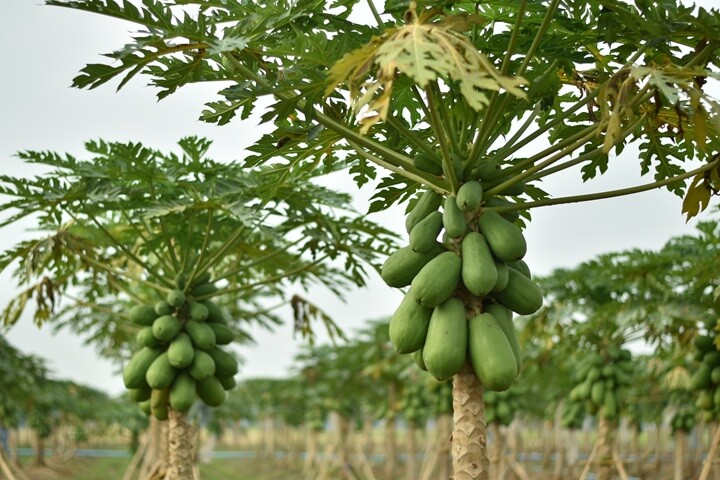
pixel 697 197
pixel 700 124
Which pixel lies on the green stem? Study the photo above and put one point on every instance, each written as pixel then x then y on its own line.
pixel 203 250
pixel 246 266
pixel 513 38
pixel 375 13
pixel 186 254
pixel 220 252
pixel 410 135
pixel 549 14
pixel 606 194
pixel 166 238
pixel 106 268
pixel 437 126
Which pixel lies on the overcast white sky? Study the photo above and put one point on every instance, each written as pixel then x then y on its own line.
pixel 45 47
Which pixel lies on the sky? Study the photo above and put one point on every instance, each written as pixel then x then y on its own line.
pixel 47 46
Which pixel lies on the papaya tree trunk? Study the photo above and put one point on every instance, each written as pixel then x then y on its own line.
pixel 39 449
pixel 411 468
pixel 154 463
pixel 680 441
pixel 469 437
pixel 604 457
pixel 180 447
pixel 391 444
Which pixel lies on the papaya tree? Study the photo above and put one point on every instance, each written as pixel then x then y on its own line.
pixel 468 105
pixel 138 243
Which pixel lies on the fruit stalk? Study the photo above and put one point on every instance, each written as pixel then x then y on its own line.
pixel 469 437
pixel 180 436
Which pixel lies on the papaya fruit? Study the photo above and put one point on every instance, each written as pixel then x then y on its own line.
pixel 198 312
pixel 479 273
pixel 490 353
pixel 437 280
pixel 228 383
pixel 161 373
pixel 181 280
pixel 506 241
pixel 511 216
pixel 146 338
pixel 166 327
pixel 203 289
pixel 715 375
pixel 223 334
pixel 445 346
pixel 175 298
pixel 521 295
pixel 145 406
pixel 418 359
pixel 704 343
pixel 716 396
pixel 469 196
pixel 429 202
pixel 143 315
pixel 610 405
pixel 409 324
pixel 204 277
pixel 403 264
pixel 705 400
pixel 458 167
pixel 140 394
pixel 210 391
pixel 517 188
pixel 712 359
pixel 503 315
pixel 160 412
pixel 182 392
pixel 597 392
pixel 215 313
pixel 202 366
pixel 181 352
pixel 201 334
pixel 423 236
pixel 701 379
pixel 502 275
pixel 488 170
pixel 428 163
pixel 162 308
pixel 225 364
pixel 521 267
pixel 453 218
pixel 159 398
pixel 134 371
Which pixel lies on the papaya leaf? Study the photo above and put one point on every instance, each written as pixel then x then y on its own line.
pixel 697 197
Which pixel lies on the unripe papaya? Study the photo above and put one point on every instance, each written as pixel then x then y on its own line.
pixel 504 319
pixel 445 346
pixel 134 371
pixel 502 275
pixel 140 394
pixel 409 324
pixel 453 218
pixel 511 215
pixel 166 327
pixel 597 392
pixel 505 239
pixel 418 359
pixel 403 264
pixel 161 373
pixel 488 170
pixel 181 280
pixel 201 334
pixel 228 383
pixel 182 392
pixel 175 298
pixel 517 188
pixel 163 308
pixel 715 376
pixel 145 406
pixel 198 312
pixel 479 273
pixel 181 351
pixel 428 163
pixel 159 398
pixel 704 343
pixel 204 277
pixel 458 167
pixel 701 378
pixel 160 412
pixel 610 405
pixel 437 280
pixel 521 295
pixel 223 334
pixel 203 289
pixel 423 236
pixel 429 202
pixel 521 267
pixel 146 338
pixel 705 400
pixel 211 391
pixel 469 196
pixel 490 353
pixel 143 315
pixel 202 366
pixel 215 313
pixel 712 359
pixel 225 364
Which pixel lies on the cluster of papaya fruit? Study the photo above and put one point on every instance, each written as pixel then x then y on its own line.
pixel 573 414
pixel 179 357
pixel 463 289
pixel 500 407
pixel 601 380
pixel 683 420
pixel 706 379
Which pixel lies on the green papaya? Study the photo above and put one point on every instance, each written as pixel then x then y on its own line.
pixel 224 335
pixel 181 280
pixel 502 275
pixel 202 366
pixel 181 351
pixel 521 295
pixel 490 353
pixel 517 188
pixel 201 334
pixel 423 236
pixel 445 346
pixel 146 338
pixel 716 396
pixel 479 273
pixel 163 308
pixel 211 391
pixel 511 216
pixel 469 196
pixel 457 163
pixel 159 398
pixel 506 241
pixel 521 267
pixel 182 392
pixel 418 359
pixel 437 280
pixel 610 405
pixel 409 324
pixel 166 327
pixel 175 298
pixel 161 373
pixel 704 343
pixel 204 277
pixel 160 412
pixel 583 392
pixel 428 163
pixel 715 376
pixel 712 359
pixel 198 312
pixel 488 170
pixel 215 313
pixel 226 365
pixel 705 400
pixel 228 383
pixel 143 315
pixel 503 315
pixel 453 218
pixel 701 379
pixel 140 394
pixel 403 264
pixel 203 290
pixel 134 371
pixel 597 392
pixel 145 406
pixel 429 202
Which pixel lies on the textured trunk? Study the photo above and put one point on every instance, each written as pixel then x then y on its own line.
pixel 469 436
pixel 680 442
pixel 710 458
pixel 311 444
pixel 498 459
pixel 411 465
pixel 391 444
pixel 39 450
pixel 444 451
pixel 154 462
pixel 604 457
pixel 180 443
